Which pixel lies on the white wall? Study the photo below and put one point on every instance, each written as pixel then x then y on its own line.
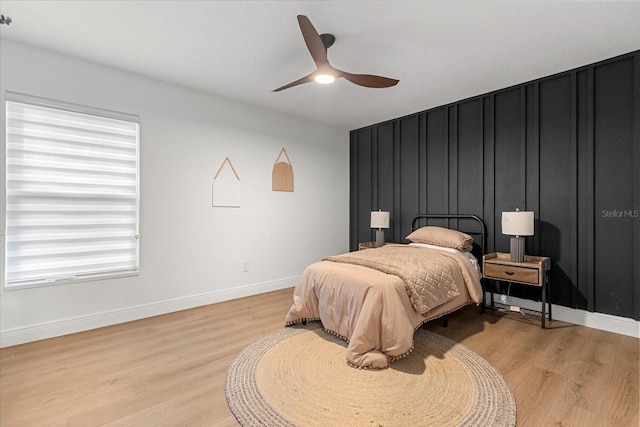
pixel 191 253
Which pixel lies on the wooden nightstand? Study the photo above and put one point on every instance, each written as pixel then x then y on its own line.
pixel 534 271
pixel 366 245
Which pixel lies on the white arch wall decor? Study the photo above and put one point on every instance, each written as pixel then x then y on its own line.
pixel 226 190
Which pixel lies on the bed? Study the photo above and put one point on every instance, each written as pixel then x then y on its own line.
pixel 375 299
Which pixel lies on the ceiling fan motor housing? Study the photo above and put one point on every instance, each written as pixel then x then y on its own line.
pixel 327 40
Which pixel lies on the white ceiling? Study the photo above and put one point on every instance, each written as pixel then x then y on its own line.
pixel 441 51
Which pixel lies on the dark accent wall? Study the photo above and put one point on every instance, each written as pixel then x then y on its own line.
pixel 566 146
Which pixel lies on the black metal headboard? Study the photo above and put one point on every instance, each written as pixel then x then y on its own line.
pixel 480 248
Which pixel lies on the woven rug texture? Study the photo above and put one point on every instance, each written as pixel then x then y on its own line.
pixel 298 376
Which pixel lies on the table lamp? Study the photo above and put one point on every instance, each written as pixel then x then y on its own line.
pixel 517 224
pixel 379 220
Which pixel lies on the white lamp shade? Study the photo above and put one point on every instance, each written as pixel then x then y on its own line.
pixel 517 223
pixel 379 219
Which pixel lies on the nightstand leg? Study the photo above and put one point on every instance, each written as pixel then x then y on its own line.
pixel 491 291
pixel 483 304
pixel 544 303
pixel 547 278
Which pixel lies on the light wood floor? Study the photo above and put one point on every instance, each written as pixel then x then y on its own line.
pixel 170 370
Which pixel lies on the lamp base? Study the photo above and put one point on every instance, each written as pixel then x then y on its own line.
pixel 517 249
pixel 379 238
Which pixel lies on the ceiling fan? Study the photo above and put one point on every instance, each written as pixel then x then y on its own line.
pixel 325 72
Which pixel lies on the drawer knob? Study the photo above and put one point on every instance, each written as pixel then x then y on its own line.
pixel 509 273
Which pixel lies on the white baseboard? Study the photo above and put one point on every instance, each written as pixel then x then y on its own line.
pixel 605 322
pixel 35 332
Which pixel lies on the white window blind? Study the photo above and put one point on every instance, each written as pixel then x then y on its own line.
pixel 72 195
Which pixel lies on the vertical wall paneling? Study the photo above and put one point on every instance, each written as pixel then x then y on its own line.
pixel 523 146
pixel 584 179
pixel 509 185
pixel 437 161
pixel 376 158
pixel 556 182
pixel 397 185
pixel 590 259
pixel 469 158
pixel 469 188
pixel 452 163
pixel 385 181
pixel 530 158
pixel 479 206
pixel 489 168
pixel 409 176
pixel 576 300
pixel 422 184
pixel 353 190
pixel 361 200
pixel 636 180
pixel 532 161
pixel 565 146
pixel 614 204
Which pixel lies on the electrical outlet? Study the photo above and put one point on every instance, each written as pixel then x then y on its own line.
pixel 245 266
pixel 503 299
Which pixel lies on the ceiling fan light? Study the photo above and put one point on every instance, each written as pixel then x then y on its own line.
pixel 324 78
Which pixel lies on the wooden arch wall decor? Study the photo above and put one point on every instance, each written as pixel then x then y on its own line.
pixel 282 174
pixel 226 190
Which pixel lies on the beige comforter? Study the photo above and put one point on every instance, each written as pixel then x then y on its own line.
pixel 376 298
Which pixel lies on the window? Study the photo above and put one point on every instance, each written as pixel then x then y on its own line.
pixel 72 193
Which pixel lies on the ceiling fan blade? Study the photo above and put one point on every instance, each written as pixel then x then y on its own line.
pixel 312 39
pixel 318 49
pixel 368 80
pixel 305 79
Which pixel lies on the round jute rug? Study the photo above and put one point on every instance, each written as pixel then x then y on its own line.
pixel 298 376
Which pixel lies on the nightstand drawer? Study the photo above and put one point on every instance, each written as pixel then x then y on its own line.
pixel 511 273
